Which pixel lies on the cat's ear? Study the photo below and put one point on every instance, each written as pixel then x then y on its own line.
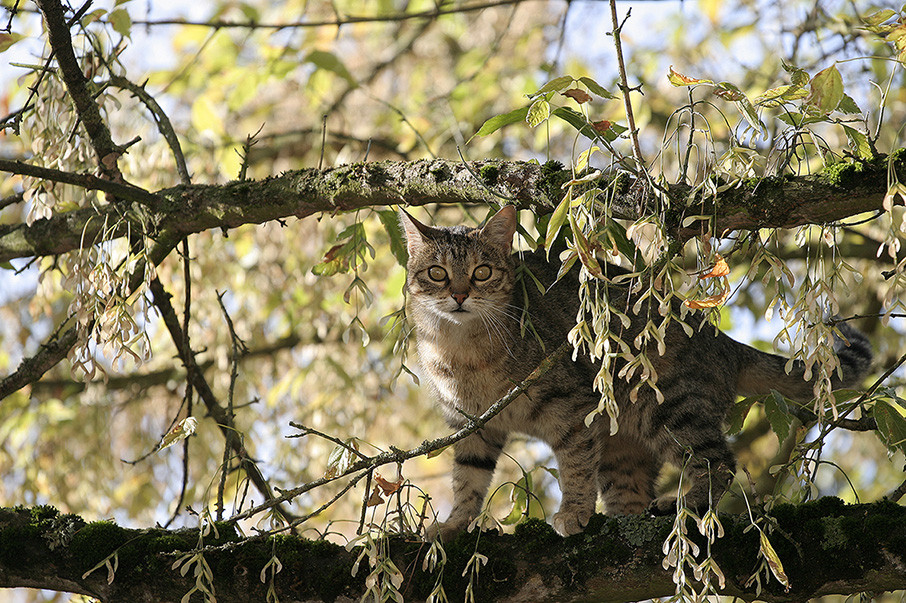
pixel 500 229
pixel 416 232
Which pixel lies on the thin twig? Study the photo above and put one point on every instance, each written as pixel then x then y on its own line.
pixel 398 456
pixel 898 493
pixel 624 86
pixel 164 126
pixel 338 21
pixel 308 430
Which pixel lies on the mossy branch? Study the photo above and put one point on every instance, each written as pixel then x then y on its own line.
pixel 614 559
pixel 183 210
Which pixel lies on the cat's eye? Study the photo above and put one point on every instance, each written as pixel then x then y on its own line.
pixel 436 273
pixel 482 273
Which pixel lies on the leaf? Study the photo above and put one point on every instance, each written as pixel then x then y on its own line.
pixel 578 95
pixel 557 220
pixel 596 88
pixel 738 413
pixel 778 415
pixel 858 142
pixel 555 85
pixel 437 452
pixel 776 97
pixel 720 268
pixel 773 560
pixel 180 432
pixel 891 419
pixel 709 302
pixel 826 90
pixel 848 105
pixel 586 256
pixel 538 112
pixel 387 486
pixel 499 121
pixel 678 79
pixel 375 498
pixel 519 498
pixel 730 92
pixel 7 265
pixel 879 17
pixel 391 224
pixel 578 121
pixel 329 62
pixel 8 39
pixel 335 261
pixel 121 21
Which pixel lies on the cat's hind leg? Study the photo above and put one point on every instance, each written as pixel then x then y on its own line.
pixel 474 461
pixel 626 474
pixel 692 438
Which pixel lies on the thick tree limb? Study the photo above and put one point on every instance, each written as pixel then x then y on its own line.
pixel 183 210
pixel 614 559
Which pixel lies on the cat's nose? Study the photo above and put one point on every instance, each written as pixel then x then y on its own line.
pixel 459 297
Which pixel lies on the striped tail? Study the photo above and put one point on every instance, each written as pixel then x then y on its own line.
pixel 761 372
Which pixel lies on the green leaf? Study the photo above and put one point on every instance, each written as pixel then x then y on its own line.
pixel 799 77
pixel 329 62
pixel 778 414
pixel 775 97
pixel 519 498
pixel 826 90
pixel 538 112
pixel 557 220
pixel 891 418
pixel 7 265
pixel 578 121
pixel 858 142
pixel 879 17
pixel 121 22
pixel 738 413
pixel 391 224
pixel 848 105
pixel 596 88
pixel 499 121
pixel 555 85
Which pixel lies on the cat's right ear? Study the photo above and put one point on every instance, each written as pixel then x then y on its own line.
pixel 416 232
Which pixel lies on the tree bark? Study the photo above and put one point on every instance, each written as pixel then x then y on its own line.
pixel 825 547
pixel 786 202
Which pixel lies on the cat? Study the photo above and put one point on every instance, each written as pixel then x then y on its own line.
pixel 466 302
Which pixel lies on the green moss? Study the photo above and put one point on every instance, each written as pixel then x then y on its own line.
pixel 552 179
pixel 441 172
pixel 622 183
pixel 489 173
pixel 42 515
pixel 842 172
pixel 97 540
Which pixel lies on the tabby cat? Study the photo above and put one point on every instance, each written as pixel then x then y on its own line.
pixel 466 302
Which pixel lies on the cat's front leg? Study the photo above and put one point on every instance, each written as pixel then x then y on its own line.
pixel 475 458
pixel 576 458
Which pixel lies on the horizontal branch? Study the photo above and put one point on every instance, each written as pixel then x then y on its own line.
pixel 184 210
pixel 616 558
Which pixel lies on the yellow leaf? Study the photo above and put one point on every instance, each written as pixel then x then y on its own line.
pixel 773 560
pixel 709 302
pixel 180 432
pixel 720 268
pixel 678 79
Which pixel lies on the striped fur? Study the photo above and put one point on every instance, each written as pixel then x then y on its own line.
pixel 466 304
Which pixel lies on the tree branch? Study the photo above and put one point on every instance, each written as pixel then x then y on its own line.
pixel 616 558
pixel 183 210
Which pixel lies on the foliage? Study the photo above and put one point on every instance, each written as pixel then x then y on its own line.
pixel 303 320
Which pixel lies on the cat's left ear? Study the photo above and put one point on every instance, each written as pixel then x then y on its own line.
pixel 500 229
pixel 416 232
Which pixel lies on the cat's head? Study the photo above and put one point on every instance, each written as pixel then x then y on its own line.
pixel 460 274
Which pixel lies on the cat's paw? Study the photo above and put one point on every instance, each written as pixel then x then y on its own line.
pixel 662 505
pixel 444 530
pixel 567 523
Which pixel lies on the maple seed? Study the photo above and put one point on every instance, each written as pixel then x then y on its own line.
pixel 601 126
pixel 720 268
pixel 708 302
pixel 578 95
